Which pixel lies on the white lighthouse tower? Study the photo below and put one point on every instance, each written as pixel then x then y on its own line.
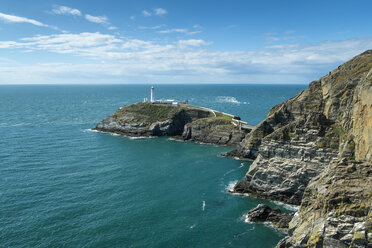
pixel 152 99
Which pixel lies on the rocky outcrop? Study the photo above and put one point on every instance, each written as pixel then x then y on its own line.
pixel 146 119
pixel 336 210
pixel 301 136
pixel 185 122
pixel 263 213
pixel 289 158
pixel 214 131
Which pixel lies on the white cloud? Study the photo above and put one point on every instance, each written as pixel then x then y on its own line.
pixel 160 11
pixel 64 10
pixel 132 18
pixel 186 61
pixel 287 36
pixel 179 30
pixel 145 13
pixel 193 42
pixel 152 27
pixel 112 28
pixel 18 19
pixel 97 19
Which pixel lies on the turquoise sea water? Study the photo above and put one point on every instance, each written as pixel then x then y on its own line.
pixel 62 185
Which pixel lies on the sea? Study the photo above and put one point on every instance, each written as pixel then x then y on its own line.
pixel 63 185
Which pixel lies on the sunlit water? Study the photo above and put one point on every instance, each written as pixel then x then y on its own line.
pixel 65 186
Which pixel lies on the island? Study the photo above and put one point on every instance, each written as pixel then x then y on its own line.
pixel 181 121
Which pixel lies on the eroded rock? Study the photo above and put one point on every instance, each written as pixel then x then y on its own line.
pixel 263 213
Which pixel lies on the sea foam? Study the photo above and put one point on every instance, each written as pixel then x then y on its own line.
pixel 230 186
pixel 227 99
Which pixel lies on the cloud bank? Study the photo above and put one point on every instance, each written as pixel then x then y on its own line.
pixel 125 60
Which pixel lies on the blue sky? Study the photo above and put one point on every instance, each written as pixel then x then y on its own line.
pixel 173 41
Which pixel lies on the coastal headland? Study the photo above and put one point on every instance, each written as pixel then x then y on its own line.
pixel 313 150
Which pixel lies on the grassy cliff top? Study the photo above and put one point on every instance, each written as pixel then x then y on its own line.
pixel 148 113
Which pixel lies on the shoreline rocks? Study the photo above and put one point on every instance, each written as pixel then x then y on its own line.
pixel 263 213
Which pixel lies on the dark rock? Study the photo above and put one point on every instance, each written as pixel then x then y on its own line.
pixel 263 213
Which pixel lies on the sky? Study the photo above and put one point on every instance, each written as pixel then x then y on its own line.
pixel 179 41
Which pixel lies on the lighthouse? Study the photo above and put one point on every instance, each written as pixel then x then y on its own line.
pixel 152 99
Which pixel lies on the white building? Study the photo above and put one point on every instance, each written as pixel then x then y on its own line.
pixel 162 101
pixel 152 99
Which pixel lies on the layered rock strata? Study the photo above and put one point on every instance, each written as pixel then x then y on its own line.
pixel 316 149
pixel 213 130
pixel 336 210
pixel 301 136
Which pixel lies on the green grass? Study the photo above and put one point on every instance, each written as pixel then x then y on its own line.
pixel 355 67
pixel 147 112
pixel 223 116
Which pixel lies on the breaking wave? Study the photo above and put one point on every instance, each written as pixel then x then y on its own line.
pixel 231 185
pixel 229 99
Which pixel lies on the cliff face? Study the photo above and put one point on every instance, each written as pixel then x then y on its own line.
pixel 301 136
pixel 315 149
pixel 336 209
pixel 213 130
pixel 185 122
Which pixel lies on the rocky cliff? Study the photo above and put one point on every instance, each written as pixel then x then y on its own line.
pixel 336 209
pixel 310 149
pixel 184 122
pixel 301 136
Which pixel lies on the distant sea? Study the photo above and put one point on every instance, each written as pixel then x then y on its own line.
pixel 62 185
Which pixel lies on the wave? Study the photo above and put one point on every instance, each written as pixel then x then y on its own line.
pixel 142 137
pixel 90 130
pixel 230 186
pixel 229 99
pixel 97 131
pixel 287 206
pixel 22 124
pixel 116 134
pixel 246 219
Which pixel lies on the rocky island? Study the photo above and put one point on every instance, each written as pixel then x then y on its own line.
pixel 183 122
